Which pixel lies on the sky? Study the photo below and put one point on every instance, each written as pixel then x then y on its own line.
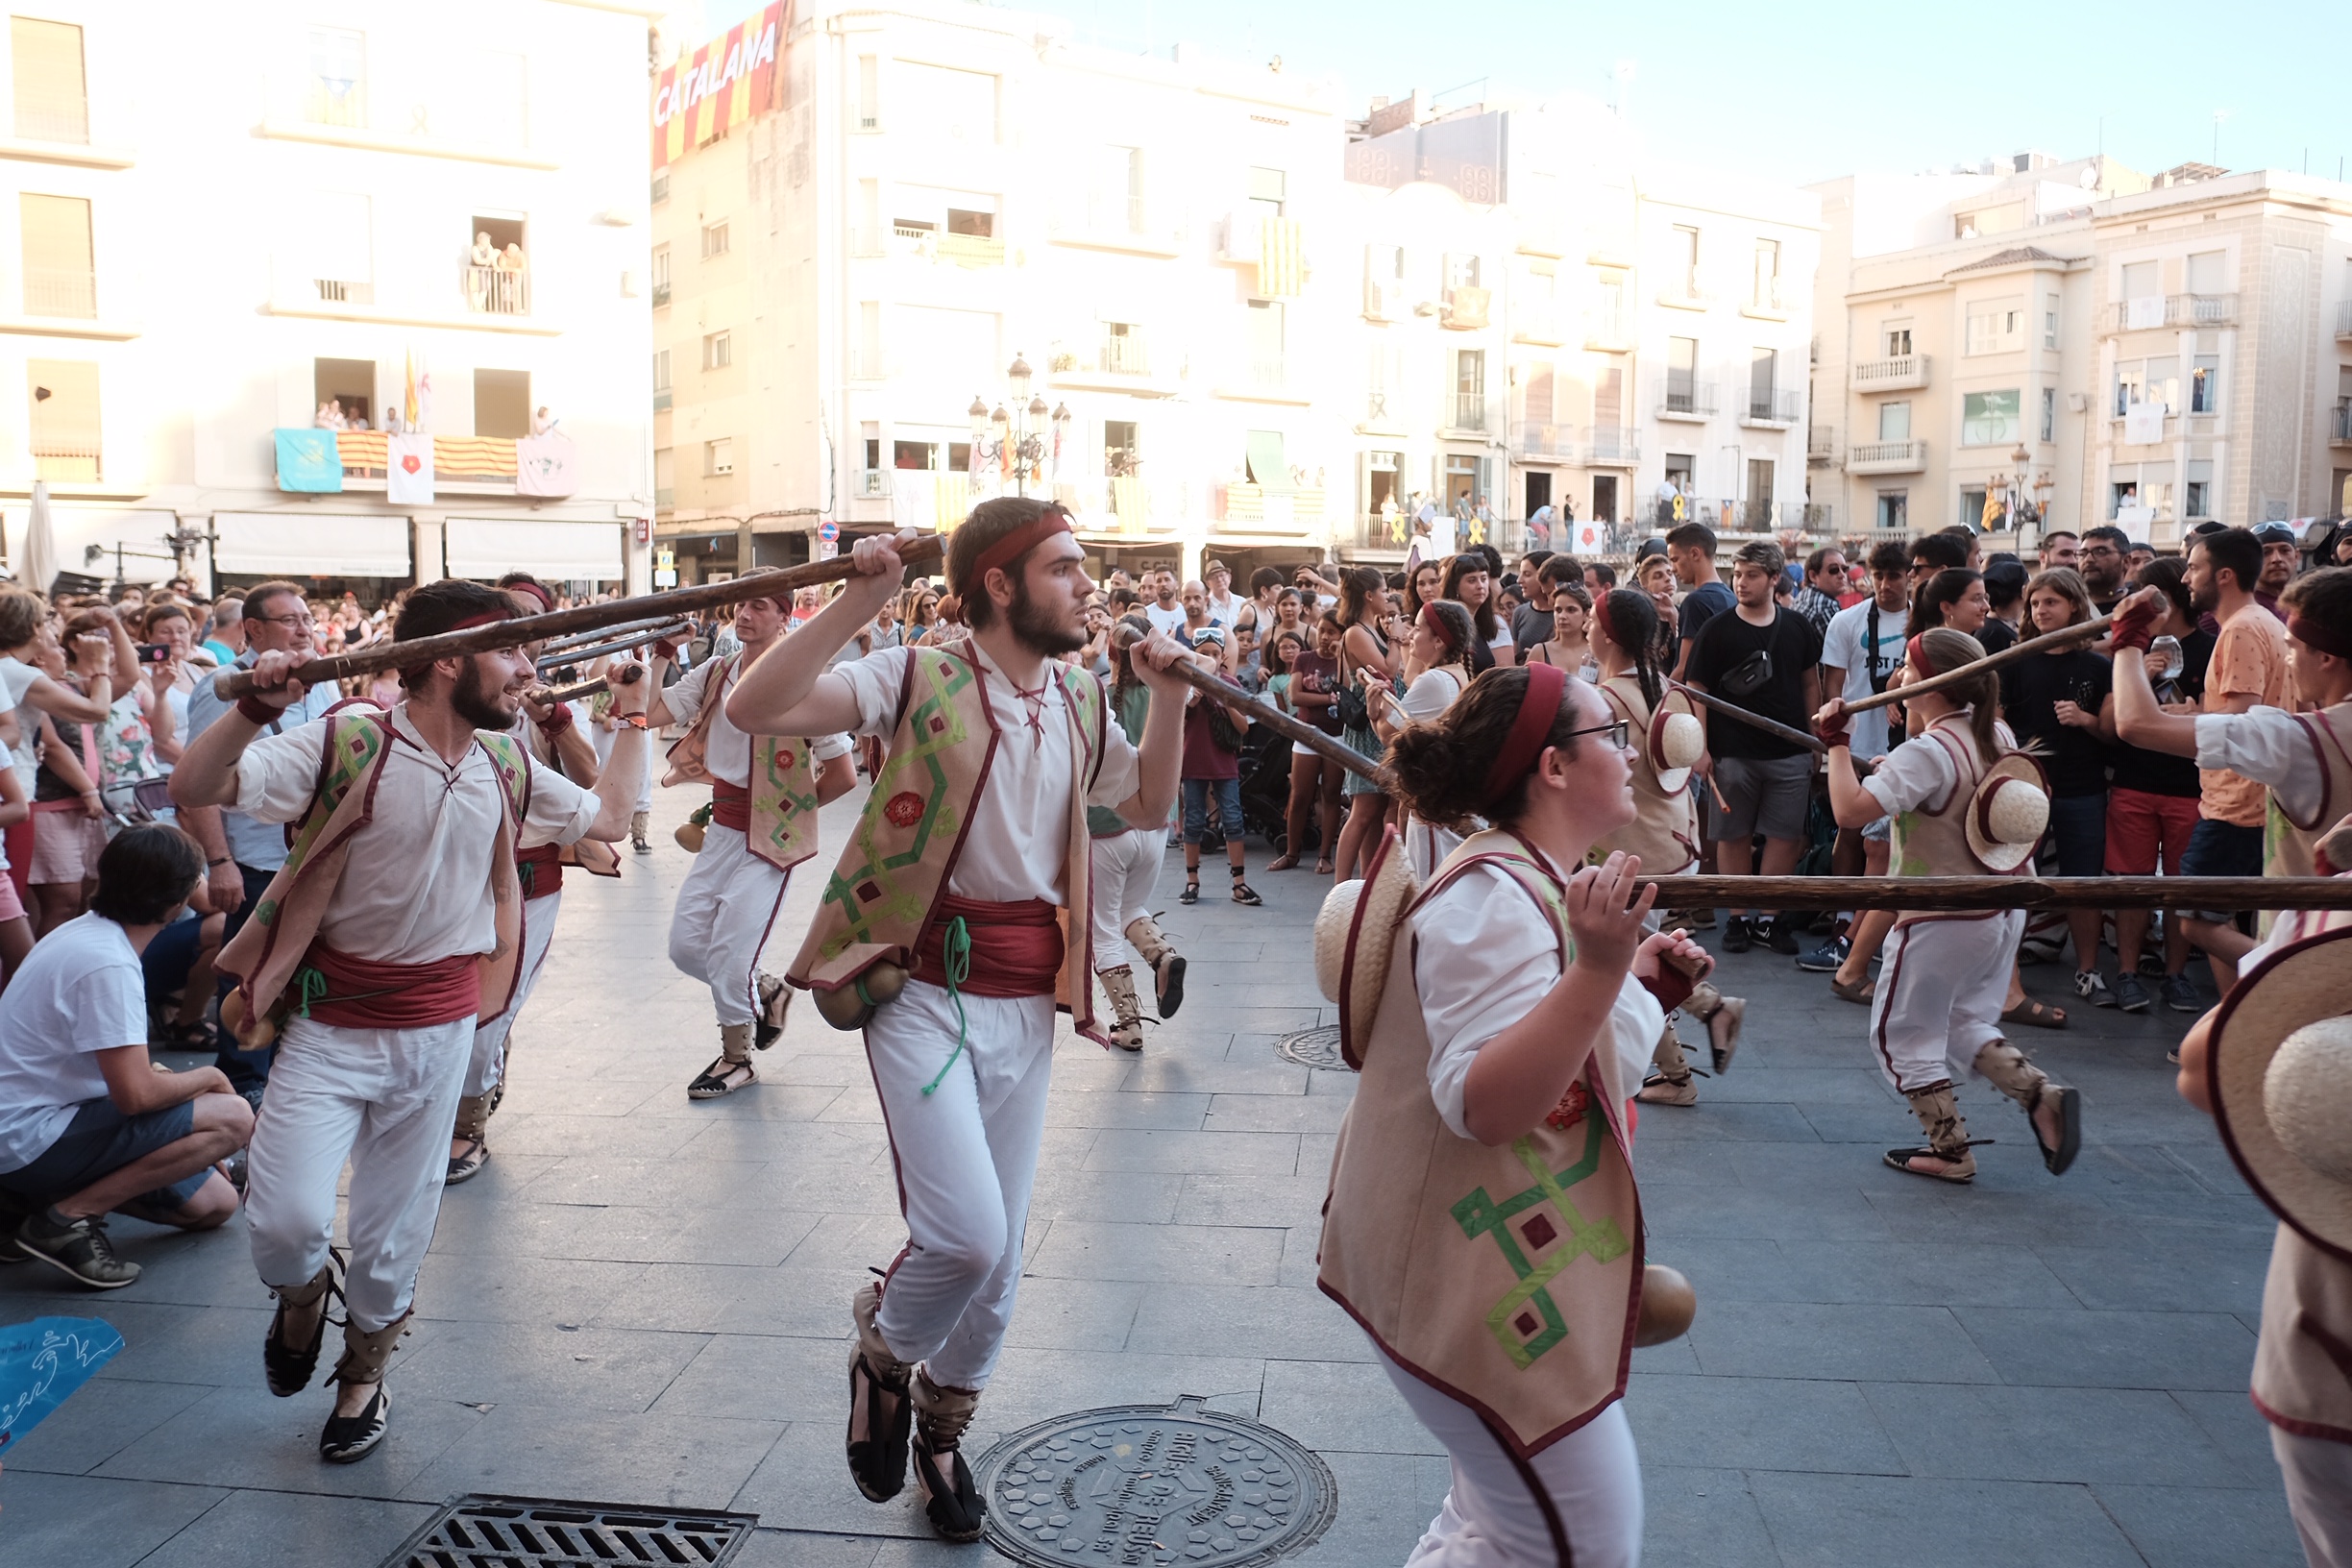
pixel 1804 91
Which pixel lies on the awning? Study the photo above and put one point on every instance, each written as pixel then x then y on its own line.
pixel 1266 467
pixel 73 528
pixel 309 544
pixel 490 547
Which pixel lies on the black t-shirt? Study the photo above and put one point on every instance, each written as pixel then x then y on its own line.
pixel 1995 634
pixel 1793 646
pixel 2160 772
pixel 2075 759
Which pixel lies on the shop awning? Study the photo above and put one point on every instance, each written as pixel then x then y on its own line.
pixel 309 544
pixel 73 528
pixel 489 548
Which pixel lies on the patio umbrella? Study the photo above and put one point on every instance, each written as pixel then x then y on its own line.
pixel 36 562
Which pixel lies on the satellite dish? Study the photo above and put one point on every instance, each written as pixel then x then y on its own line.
pixel 2088 179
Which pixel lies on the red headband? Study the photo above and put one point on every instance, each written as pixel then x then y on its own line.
pixel 1916 651
pixel 1429 618
pixel 1053 520
pixel 547 601
pixel 484 619
pixel 2317 637
pixel 1538 706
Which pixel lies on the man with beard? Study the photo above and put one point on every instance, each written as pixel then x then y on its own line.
pixel 371 983
pixel 942 933
pixel 2104 551
pixel 763 822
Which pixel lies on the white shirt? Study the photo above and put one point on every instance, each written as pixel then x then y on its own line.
pixel 1224 609
pixel 1483 956
pixel 1170 619
pixel 1920 771
pixel 727 752
pixel 1018 840
pixel 1431 694
pixel 1842 649
pixel 417 884
pixel 80 991
pixel 2267 746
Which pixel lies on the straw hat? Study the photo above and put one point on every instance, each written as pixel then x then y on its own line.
pixel 2279 1067
pixel 1355 938
pixel 1678 739
pixel 2009 813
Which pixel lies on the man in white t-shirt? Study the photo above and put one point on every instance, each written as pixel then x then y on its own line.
pixel 1164 611
pixel 87 1125
pixel 1861 650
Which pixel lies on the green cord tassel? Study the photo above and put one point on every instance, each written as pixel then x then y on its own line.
pixel 310 986
pixel 955 954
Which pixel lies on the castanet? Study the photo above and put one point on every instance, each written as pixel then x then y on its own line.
pixel 1940 894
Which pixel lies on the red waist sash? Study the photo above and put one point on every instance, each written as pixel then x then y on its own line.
pixel 730 806
pixel 542 869
pixel 351 993
pixel 1015 949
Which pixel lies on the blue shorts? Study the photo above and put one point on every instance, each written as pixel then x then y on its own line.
pixel 100 1140
pixel 2079 832
pixel 2218 848
pixel 167 959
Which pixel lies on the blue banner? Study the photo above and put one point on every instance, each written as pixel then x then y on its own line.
pixel 44 1360
pixel 307 460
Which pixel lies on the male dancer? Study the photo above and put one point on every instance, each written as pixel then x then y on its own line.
pixel 970 858
pixel 373 981
pixel 763 800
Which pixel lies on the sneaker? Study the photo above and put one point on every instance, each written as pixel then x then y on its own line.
pixel 1826 959
pixel 1783 936
pixel 2180 994
pixel 2130 994
pixel 2092 986
pixel 1737 938
pixel 83 1251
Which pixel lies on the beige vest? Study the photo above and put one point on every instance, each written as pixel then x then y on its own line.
pixel 1508 1277
pixel 782 780
pixel 1934 842
pixel 2289 843
pixel 1662 832
pixel 2303 1361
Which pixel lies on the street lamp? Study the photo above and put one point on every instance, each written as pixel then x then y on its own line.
pixel 1019 436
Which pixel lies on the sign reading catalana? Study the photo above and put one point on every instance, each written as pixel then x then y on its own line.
pixel 718 87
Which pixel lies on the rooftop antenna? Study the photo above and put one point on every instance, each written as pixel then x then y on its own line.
pixel 2220 114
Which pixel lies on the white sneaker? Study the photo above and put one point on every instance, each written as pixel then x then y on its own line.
pixel 2092 986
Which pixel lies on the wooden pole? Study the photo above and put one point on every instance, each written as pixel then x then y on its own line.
pixel 673 631
pixel 1770 726
pixel 1262 712
pixel 617 612
pixel 2049 642
pixel 1937 894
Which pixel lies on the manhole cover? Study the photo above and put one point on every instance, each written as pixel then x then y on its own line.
pixel 481 1531
pixel 1312 1047
pixel 1154 1484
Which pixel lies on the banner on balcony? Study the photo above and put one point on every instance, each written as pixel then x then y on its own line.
pixel 2143 425
pixel 719 86
pixel 408 469
pixel 308 460
pixel 546 465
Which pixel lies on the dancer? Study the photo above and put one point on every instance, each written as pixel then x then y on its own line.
pixel 1125 867
pixel 371 983
pixel 1965 803
pixel 974 833
pixel 1500 1036
pixel 763 822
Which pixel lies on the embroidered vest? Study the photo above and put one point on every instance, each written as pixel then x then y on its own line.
pixel 1934 842
pixel 267 951
pixel 1662 831
pixel 782 781
pixel 1508 1277
pixel 2288 846
pixel 886 888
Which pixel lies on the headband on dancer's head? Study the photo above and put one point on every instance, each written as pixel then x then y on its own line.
pixel 1530 727
pixel 481 617
pixel 2320 638
pixel 1436 623
pixel 537 591
pixel 1054 519
pixel 1915 652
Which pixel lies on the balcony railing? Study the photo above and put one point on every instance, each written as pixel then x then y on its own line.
pixel 1900 374
pixel 494 291
pixel 1470 411
pixel 52 116
pixel 2158 311
pixel 1122 354
pixel 1686 399
pixel 1611 445
pixel 1770 408
pixel 1886 457
pixel 662 399
pixel 60 291
pixel 344 291
pixel 1765 300
pixel 2339 424
pixel 873 483
pixel 68 462
pixel 1557 442
pixel 1252 508
pixel 1821 444
pixel 1269 372
pixel 1606 333
pixel 971 250
pixel 661 294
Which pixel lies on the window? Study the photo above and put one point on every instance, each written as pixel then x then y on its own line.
pixel 335 249
pixel 64 395
pixel 718 350
pixel 869 441
pixel 1989 419
pixel 1122 349
pixel 1767 274
pixel 1461 271
pixel 498 272
pixel 714 239
pixel 1763 380
pixel 1466 480
pixel 942 104
pixel 870 93
pixel 661 187
pixel 1898 342
pixel 1123 451
pixel 1609 306
pixel 1470 389
pixel 338 77
pixel 1683 281
pixel 1989 220
pixel 1681 372
pixel 1269 189
pixel 979 223
pixel 1680 467
pixel 2208 272
pixel 501 403
pixel 2197 500
pixel 661 379
pixel 1996 326
pixel 718 457
pixel 1761 483
pixel 1893 511
pixel 2139 281
pixel 52 96
pixel 665 476
pixel 60 279
pixel 350 383
pixel 661 275
pixel 2205 384
pixel 1894 421
pixel 2049 322
pixel 1264 330
pixel 1114 190
pixel 2050 413
pixel 2154 379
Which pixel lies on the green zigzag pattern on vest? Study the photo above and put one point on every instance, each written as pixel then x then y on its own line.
pixel 354 746
pixel 1477 1214
pixel 936 726
pixel 783 761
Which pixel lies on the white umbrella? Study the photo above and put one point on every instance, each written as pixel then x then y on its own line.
pixel 37 563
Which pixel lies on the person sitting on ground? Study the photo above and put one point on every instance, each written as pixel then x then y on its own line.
pixel 88 1124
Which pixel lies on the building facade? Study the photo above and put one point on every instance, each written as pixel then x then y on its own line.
pixel 229 218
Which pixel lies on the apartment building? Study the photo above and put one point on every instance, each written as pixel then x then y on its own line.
pixel 2061 343
pixel 949 252
pixel 226 218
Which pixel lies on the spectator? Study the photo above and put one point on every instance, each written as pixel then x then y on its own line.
pixel 1973 556
pixel 1442 637
pixel 1954 597
pixel 2139 557
pixel 2061 702
pixel 1570 644
pixel 1366 659
pixel 224 633
pixel 1197 618
pixel 1224 608
pixel 1315 780
pixel 1599 578
pixel 2103 572
pixel 2282 560
pixel 918 614
pixel 1265 590
pixel 2152 804
pixel 1531 622
pixel 2004 584
pixel 1165 612
pixel 2061 548
pixel 88 1125
pixel 1249 667
pixel 1823 590
pixel 69 813
pixel 1860 653
pixel 1933 553
pixel 1289 616
pixel 31 692
pixel 1469 583
pixel 1767 660
pixel 1212 767
pixel 1691 548
pixel 1423 584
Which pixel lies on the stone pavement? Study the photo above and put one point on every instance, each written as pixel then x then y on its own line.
pixel 643 1300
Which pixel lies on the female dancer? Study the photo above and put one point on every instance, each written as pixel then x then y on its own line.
pixel 1366 659
pixel 1484 1225
pixel 1936 1018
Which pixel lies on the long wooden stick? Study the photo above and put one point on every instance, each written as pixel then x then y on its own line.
pixel 1770 726
pixel 617 612
pixel 669 631
pixel 1264 713
pixel 1937 894
pixel 2049 642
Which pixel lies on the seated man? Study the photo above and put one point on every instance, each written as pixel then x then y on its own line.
pixel 88 1124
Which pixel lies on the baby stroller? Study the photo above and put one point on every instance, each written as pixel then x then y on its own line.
pixel 1266 786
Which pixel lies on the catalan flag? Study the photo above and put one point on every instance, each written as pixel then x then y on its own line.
pixel 719 86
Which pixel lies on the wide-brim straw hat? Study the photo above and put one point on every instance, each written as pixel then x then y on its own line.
pixel 2008 813
pixel 1354 941
pixel 2279 1069
pixel 1676 740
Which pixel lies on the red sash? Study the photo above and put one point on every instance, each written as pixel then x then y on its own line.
pixel 730 806
pixel 1015 948
pixel 362 994
pixel 542 869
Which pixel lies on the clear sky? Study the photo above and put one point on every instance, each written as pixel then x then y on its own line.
pixel 1809 90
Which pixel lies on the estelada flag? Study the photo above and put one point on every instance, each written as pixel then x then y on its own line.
pixel 719 86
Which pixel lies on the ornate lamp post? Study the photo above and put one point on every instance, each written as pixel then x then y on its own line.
pixel 1019 438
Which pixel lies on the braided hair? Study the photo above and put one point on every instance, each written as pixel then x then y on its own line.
pixel 1635 626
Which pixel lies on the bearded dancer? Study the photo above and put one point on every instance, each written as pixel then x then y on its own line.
pixel 972 852
pixel 372 983
pixel 763 822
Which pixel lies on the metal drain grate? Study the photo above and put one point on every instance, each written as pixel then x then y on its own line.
pixel 1312 1047
pixel 484 1532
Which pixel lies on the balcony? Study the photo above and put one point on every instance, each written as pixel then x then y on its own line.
pixel 971 250
pixel 1820 445
pixel 661 294
pixel 1472 415
pixel 2344 320
pixel 1384 300
pixel 495 291
pixel 2156 312
pixel 662 399
pixel 1264 378
pixel 1466 309
pixel 1770 410
pixel 1113 223
pixel 1904 372
pixel 1544 443
pixel 1686 399
pixel 68 462
pixel 1606 333
pixel 1384 533
pixel 1257 509
pixel 1685 294
pixel 1887 458
pixel 1543 236
pixel 61 291
pixel 1537 322
pixel 665 497
pixel 1767 303
pixel 872 484
pixel 2339 424
pixel 1119 364
pixel 1611 445
pixel 1611 247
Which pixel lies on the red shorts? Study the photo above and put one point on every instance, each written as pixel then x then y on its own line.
pixel 2139 823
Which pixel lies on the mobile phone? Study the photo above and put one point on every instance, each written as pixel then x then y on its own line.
pixel 154 654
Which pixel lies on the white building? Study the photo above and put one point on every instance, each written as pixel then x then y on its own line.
pixel 227 216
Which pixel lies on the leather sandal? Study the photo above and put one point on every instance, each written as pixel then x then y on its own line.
pixel 1243 891
pixel 1961 1170
pixel 718 1080
pixel 1862 995
pixel 467 1165
pixel 347 1438
pixel 288 1368
pixel 1192 891
pixel 2056 1158
pixel 877 1461
pixel 2033 1013
pixel 1283 863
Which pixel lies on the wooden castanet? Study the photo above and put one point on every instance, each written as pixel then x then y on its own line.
pixel 1939 894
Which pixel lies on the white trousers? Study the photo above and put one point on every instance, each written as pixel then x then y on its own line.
pixel 724 908
pixel 1591 1477
pixel 384 1099
pixel 1940 995
pixel 967 1154
pixel 1126 868
pixel 645 779
pixel 2318 1478
pixel 488 1068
